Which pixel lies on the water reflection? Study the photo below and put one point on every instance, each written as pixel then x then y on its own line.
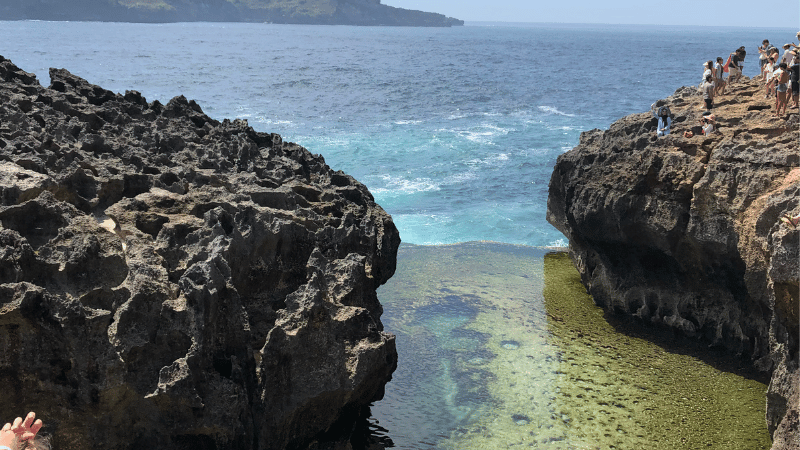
pixel 500 347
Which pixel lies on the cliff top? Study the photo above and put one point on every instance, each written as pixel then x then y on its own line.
pixel 684 232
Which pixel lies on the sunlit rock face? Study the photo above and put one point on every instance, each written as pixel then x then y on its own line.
pixel 171 281
pixel 685 232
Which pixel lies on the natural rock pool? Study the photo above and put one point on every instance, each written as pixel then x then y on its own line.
pixel 500 346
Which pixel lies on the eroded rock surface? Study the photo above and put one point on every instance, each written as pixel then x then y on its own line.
pixel 686 233
pixel 171 281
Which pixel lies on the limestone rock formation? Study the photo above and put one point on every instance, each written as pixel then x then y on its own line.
pixel 685 233
pixel 171 281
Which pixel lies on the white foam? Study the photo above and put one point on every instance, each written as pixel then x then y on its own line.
pixel 266 121
pixel 461 177
pixel 554 110
pixel 407 122
pixel 401 186
pixel 490 160
pixel 481 134
pixel 559 243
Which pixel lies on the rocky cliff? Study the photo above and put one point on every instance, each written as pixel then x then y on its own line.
pixel 316 12
pixel 171 281
pixel 685 233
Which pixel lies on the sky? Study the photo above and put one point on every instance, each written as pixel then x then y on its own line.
pixel 737 13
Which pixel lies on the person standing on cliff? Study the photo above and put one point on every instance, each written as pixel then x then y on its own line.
pixel 782 78
pixel 735 68
pixel 795 80
pixel 708 69
pixel 708 92
pixel 719 81
pixel 764 51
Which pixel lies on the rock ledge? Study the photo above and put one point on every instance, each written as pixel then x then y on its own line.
pixel 685 233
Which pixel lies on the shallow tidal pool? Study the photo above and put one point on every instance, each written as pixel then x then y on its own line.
pixel 500 347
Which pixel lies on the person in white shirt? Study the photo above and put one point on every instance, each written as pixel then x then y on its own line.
pixel 788 55
pixel 719 82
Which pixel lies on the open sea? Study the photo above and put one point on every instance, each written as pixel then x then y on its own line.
pixel 455 131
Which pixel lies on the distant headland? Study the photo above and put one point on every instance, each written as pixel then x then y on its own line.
pixel 315 12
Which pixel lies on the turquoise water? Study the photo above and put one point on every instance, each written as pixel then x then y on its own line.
pixel 501 347
pixel 455 132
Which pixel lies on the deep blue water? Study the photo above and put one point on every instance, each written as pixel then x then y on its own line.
pixel 455 131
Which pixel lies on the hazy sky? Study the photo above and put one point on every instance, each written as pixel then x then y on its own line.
pixel 780 13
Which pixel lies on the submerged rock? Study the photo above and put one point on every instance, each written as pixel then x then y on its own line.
pixel 686 233
pixel 171 281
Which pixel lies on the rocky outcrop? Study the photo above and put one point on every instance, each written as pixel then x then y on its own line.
pixel 171 281
pixel 685 233
pixel 315 12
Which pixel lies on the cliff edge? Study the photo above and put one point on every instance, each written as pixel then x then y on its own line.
pixel 171 281
pixel 685 233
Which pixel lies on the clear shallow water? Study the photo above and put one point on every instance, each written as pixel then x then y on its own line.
pixel 501 347
pixel 455 131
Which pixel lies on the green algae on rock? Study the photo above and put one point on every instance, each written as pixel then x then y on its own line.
pixel 500 346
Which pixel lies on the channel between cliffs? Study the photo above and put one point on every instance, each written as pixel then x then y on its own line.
pixel 685 233
pixel 171 281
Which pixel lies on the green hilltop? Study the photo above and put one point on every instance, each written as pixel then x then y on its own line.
pixel 324 12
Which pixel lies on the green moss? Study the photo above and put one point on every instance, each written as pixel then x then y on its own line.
pixel 667 399
pixel 516 353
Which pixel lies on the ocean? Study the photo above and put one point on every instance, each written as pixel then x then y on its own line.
pixel 455 131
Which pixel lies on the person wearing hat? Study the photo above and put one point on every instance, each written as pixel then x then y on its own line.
pixel 764 52
pixel 788 55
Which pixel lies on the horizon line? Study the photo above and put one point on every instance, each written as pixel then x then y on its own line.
pixel 502 22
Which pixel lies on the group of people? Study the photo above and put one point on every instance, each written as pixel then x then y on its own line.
pixel 780 73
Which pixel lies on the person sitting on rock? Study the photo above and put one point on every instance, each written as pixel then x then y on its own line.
pixel 664 121
pixel 707 123
pixel 21 435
